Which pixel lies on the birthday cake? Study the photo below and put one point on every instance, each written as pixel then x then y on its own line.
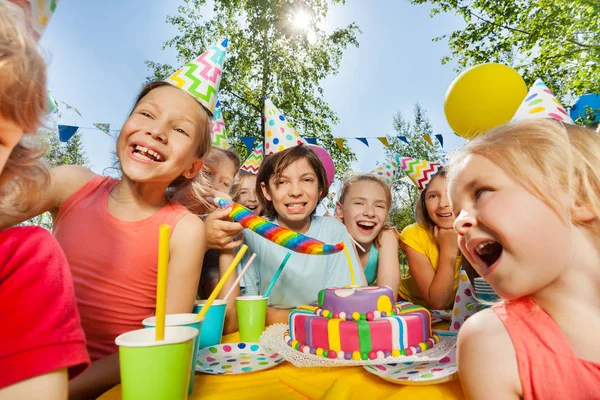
pixel 360 323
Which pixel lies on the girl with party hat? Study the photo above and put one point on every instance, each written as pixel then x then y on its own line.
pixel 109 227
pixel 290 183
pixel 363 206
pixel 244 189
pixel 430 243
pixel 527 203
pixel 43 344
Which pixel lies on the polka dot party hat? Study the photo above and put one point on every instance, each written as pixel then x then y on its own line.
pixel 252 163
pixel 35 13
pixel 541 103
pixel 279 132
pixel 386 172
pixel 201 77
pixel 419 171
pixel 218 134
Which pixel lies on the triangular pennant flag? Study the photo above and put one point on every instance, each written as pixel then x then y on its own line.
pixel 71 108
pixel 252 163
pixel 201 77
pixel 440 139
pixel 218 132
pixel 339 142
pixel 541 103
pixel 248 142
pixel 428 139
pixel 36 13
pixel 387 172
pixel 384 140
pixel 66 132
pixel 103 127
pixel 419 171
pixel 279 133
pixel 52 104
pixel 311 140
pixel 363 140
pixel 404 139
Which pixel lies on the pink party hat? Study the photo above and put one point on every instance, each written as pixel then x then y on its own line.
pixel 419 171
pixel 541 103
pixel 252 163
pixel 386 172
pixel 201 77
pixel 218 133
pixel 279 133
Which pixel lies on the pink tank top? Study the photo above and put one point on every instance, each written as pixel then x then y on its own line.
pixel 548 369
pixel 113 262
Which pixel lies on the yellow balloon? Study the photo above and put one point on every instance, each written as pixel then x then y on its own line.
pixel 483 97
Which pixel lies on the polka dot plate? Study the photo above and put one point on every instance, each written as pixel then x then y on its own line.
pixel 235 358
pixel 418 373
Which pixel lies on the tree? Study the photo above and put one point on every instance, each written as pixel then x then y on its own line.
pixel 556 40
pixel 267 55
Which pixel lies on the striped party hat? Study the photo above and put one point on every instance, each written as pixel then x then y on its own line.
pixel 201 77
pixel 218 134
pixel 279 133
pixel 252 163
pixel 387 172
pixel 35 13
pixel 419 171
pixel 541 103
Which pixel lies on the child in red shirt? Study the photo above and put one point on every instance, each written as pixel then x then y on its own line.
pixel 43 343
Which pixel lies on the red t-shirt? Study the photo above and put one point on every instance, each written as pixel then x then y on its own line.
pixel 40 330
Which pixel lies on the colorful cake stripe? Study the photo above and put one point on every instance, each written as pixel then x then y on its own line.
pixel 333 330
pixel 364 336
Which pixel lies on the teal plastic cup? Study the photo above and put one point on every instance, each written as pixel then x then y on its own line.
pixel 188 320
pixel 156 370
pixel 212 328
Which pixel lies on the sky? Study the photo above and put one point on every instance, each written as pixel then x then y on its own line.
pixel 96 53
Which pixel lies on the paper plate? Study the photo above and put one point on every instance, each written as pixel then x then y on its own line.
pixel 418 373
pixel 441 314
pixel 235 358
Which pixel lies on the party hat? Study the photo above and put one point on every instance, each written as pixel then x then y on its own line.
pixel 218 133
pixel 419 171
pixel 541 103
pixel 386 172
pixel 35 13
pixel 279 133
pixel 201 77
pixel 252 163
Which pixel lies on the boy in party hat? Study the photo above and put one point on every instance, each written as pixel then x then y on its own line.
pixel 430 244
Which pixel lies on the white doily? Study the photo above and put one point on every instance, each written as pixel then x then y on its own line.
pixel 272 339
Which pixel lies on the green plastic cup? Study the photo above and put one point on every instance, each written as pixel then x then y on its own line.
pixel 182 320
pixel 156 370
pixel 252 314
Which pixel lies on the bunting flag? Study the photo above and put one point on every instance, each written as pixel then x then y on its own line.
pixel 339 142
pixel 218 131
pixel 428 139
pixel 384 141
pixel 311 140
pixel 104 127
pixel 440 138
pixel 363 140
pixel 66 132
pixel 71 108
pixel 248 142
pixel 404 139
pixel 52 104
pixel 252 163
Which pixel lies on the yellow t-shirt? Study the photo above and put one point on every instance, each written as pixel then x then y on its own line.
pixel 419 239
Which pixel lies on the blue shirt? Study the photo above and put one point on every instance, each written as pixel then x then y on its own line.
pixel 304 275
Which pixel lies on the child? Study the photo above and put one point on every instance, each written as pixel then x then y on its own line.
pixel 430 244
pixel 108 228
pixel 527 203
pixel 244 190
pixel 290 183
pixel 43 343
pixel 364 202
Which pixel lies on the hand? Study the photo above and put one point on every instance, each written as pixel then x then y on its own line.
pixel 221 231
pixel 446 239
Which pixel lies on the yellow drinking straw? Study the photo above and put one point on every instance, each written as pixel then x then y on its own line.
pixel 164 237
pixel 221 283
pixel 349 265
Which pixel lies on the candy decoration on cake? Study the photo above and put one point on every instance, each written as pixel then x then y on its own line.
pixel 282 236
pixel 279 132
pixel 421 172
pixel 360 323
pixel 218 134
pixel 252 163
pixel 201 77
pixel 387 172
pixel 540 102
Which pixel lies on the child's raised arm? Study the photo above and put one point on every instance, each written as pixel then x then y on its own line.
pixel 388 271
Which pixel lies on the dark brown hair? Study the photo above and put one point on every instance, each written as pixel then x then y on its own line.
pixel 421 214
pixel 274 164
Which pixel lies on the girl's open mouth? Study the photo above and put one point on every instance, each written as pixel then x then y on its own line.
pixel 143 153
pixel 489 252
pixel 366 226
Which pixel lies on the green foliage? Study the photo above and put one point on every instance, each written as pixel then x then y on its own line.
pixel 267 56
pixel 555 40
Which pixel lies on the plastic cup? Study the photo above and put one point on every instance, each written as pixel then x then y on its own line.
pixel 156 370
pixel 182 320
pixel 252 314
pixel 212 328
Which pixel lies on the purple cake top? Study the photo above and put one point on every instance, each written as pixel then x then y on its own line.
pixel 357 299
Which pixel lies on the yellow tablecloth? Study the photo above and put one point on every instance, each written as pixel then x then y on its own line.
pixel 306 383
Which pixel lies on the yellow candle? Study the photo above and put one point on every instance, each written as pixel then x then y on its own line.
pixel 349 266
pixel 219 287
pixel 164 237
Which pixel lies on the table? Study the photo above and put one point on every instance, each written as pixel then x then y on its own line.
pixel 311 383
